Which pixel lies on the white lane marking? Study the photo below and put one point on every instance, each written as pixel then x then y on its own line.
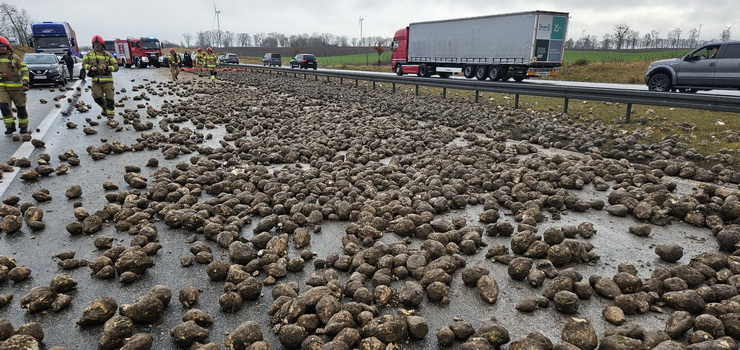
pixel 25 150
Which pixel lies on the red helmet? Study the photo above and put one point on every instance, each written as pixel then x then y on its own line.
pixel 200 50
pixel 209 49
pixel 172 50
pixel 98 39
pixel 4 41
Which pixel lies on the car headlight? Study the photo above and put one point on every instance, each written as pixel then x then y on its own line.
pixel 54 70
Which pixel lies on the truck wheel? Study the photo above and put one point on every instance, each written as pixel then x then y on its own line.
pixel 137 63
pixel 468 71
pixel 494 73
pixel 481 72
pixel 399 70
pixel 518 79
pixel 424 70
pixel 659 82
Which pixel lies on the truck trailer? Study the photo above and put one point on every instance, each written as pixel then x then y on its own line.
pixel 497 47
pixel 54 37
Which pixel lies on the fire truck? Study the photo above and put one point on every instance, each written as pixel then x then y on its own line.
pixel 139 52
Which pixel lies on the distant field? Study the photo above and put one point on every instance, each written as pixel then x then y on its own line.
pixel 613 56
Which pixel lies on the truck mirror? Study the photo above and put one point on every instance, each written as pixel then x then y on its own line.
pixel 30 42
pixel 73 41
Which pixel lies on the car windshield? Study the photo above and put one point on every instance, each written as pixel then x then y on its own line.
pixel 39 59
pixel 309 57
pixel 109 46
pixel 150 45
pixel 231 55
pixel 56 41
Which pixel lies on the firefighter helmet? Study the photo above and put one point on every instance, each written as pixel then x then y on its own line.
pixel 4 41
pixel 98 39
pixel 209 49
pixel 172 50
pixel 200 50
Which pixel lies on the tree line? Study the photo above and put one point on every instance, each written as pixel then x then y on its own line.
pixel 215 38
pixel 624 37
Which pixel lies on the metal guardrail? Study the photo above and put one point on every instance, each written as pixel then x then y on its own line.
pixel 679 100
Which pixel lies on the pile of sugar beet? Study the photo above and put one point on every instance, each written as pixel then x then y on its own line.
pixel 395 170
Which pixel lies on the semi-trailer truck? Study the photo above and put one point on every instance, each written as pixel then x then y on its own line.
pixel 497 47
pixel 54 37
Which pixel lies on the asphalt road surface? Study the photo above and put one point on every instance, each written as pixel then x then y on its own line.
pixel 35 249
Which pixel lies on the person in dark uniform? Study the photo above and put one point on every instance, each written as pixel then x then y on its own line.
pixel 70 62
pixel 187 60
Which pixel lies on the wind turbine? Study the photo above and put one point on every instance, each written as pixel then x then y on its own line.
pixel 217 18
pixel 360 24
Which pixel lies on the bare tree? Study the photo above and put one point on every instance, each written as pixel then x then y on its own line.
pixel 654 35
pixel 227 39
pixel 631 39
pixel 244 39
pixel 674 37
pixel 187 37
pixel 726 33
pixel 620 34
pixel 693 35
pixel 15 23
pixel 606 43
pixel 342 40
pixel 258 39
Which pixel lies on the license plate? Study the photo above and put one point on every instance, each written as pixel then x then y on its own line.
pixel 39 76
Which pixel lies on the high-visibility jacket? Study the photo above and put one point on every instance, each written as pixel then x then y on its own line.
pixel 211 60
pixel 174 59
pixel 97 58
pixel 14 71
pixel 200 59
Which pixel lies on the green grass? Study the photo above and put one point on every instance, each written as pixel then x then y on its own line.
pixel 613 56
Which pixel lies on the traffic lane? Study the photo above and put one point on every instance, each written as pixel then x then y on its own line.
pixel 34 250
pixel 40 103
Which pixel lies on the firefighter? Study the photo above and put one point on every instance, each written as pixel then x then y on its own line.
pixel 174 59
pixel 100 65
pixel 13 87
pixel 211 60
pixel 200 61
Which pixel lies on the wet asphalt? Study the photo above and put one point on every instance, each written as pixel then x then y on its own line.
pixel 612 242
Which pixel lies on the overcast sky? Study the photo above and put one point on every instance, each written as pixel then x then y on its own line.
pixel 168 20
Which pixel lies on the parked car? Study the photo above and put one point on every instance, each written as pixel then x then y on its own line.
pixel 712 66
pixel 229 58
pixel 304 61
pixel 45 68
pixel 272 59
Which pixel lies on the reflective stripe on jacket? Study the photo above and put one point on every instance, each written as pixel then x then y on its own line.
pixel 211 61
pixel 174 58
pixel 14 69
pixel 96 58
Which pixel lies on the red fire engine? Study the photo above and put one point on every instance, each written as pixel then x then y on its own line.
pixel 139 52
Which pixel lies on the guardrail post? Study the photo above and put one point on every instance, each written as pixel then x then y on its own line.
pixel 476 96
pixel 628 114
pixel 565 106
pixel 516 101
pixel 327 79
pixel 373 84
pixel 417 89
pixel 341 81
pixel 356 83
pixel 394 87
pixel 444 93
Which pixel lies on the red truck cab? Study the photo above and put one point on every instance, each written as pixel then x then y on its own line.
pixel 399 53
